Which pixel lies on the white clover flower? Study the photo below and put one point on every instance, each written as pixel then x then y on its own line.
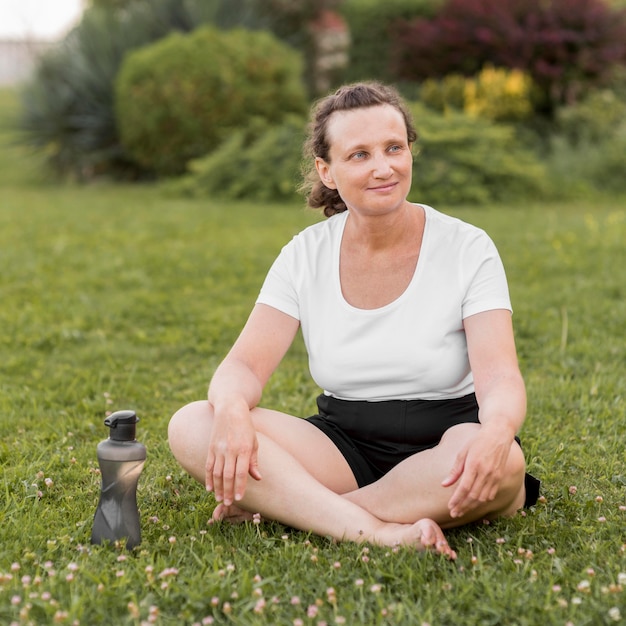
pixel 615 614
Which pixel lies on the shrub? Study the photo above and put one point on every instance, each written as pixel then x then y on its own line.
pixel 370 23
pixel 180 98
pixel 497 94
pixel 600 116
pixel 471 160
pixel 588 149
pixel 67 109
pixel 567 46
pixel 261 162
pixel 445 93
pixel 587 168
pixel 461 161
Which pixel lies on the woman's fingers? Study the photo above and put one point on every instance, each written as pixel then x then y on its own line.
pixel 227 476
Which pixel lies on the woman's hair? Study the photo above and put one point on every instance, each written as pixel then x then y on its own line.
pixel 346 98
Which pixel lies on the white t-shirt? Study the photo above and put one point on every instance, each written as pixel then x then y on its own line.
pixel 415 346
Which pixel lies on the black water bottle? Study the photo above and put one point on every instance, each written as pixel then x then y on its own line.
pixel 121 458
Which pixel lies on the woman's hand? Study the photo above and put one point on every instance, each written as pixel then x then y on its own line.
pixel 477 471
pixel 232 454
pixel 235 389
pixel 479 467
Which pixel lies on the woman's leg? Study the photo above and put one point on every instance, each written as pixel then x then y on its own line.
pixel 302 475
pixel 412 490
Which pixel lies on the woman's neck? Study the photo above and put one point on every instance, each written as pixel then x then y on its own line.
pixel 384 232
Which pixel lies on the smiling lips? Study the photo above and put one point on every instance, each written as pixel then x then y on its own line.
pixel 386 187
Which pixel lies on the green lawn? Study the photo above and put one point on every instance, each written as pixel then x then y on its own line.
pixel 117 297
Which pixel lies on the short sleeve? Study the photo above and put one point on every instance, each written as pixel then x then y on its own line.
pixel 485 279
pixel 279 289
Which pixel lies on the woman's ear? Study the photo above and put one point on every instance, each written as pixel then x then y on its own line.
pixel 323 171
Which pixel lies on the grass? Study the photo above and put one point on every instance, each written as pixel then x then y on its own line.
pixel 117 297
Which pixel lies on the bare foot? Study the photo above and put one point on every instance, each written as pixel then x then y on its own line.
pixel 231 514
pixel 425 534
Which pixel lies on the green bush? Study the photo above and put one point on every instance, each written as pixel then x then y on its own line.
pixel 461 161
pixel 465 160
pixel 370 23
pixel 588 150
pixel 180 98
pixel 597 118
pixel 67 108
pixel 261 162
pixel 445 93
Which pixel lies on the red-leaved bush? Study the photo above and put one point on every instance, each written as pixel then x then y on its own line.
pixel 566 46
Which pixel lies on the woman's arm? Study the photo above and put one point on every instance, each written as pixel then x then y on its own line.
pixel 235 389
pixel 501 399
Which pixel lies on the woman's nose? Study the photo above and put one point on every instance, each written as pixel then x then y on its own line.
pixel 382 167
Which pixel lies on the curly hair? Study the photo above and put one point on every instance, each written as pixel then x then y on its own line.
pixel 356 96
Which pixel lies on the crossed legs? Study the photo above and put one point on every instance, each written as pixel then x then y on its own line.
pixel 307 484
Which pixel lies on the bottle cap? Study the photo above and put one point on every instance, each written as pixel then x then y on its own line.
pixel 122 425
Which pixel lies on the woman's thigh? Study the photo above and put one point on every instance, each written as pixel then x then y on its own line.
pixel 190 432
pixel 309 445
pixel 412 490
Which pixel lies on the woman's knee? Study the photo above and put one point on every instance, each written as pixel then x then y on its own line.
pixel 516 463
pixel 515 469
pixel 189 426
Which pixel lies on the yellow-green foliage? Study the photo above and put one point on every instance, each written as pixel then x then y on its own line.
pixel 495 94
pixel 499 94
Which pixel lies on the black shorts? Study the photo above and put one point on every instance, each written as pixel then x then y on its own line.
pixel 375 436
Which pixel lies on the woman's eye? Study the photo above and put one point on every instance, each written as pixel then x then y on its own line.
pixel 395 148
pixel 359 155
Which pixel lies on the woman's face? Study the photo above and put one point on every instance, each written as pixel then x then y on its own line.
pixel 370 161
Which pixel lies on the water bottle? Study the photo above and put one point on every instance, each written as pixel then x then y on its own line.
pixel 121 458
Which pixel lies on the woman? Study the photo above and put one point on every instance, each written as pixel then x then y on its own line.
pixel 407 321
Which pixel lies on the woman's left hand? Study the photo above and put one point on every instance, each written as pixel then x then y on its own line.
pixel 477 471
pixel 480 466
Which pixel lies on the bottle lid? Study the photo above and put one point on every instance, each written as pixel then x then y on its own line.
pixel 122 425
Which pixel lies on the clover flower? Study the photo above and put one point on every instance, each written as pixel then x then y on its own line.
pixel 168 571
pixel 615 614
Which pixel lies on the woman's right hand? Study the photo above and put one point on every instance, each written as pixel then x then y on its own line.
pixel 236 386
pixel 232 454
